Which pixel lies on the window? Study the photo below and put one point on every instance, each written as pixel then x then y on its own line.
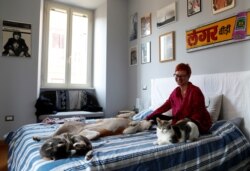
pixel 67 47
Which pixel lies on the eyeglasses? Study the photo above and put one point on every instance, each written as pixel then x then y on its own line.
pixel 179 76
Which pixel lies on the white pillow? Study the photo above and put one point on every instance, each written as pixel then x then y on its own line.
pixel 213 104
pixel 142 115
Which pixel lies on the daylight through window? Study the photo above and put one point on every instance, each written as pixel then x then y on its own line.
pixel 67 47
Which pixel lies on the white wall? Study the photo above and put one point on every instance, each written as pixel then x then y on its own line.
pixel 100 57
pixel 19 76
pixel 110 56
pixel 226 58
pixel 117 60
pixel 116 83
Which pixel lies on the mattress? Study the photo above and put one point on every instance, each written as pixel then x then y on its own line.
pixel 226 148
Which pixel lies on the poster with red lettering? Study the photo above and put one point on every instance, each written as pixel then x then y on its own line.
pixel 225 31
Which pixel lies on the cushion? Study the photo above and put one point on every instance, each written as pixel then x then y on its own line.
pixel 213 104
pixel 142 115
pixel 61 100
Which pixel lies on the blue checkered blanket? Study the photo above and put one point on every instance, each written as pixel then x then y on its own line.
pixel 226 148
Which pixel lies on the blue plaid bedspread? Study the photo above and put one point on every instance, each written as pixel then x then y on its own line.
pixel 226 148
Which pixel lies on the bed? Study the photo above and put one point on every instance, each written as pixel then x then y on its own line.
pixel 225 148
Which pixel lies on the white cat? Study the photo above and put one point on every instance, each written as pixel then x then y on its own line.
pixel 183 131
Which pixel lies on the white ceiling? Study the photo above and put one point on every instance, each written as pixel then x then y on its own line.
pixel 90 4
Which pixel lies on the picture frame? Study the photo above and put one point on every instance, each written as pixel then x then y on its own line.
pixel 222 5
pixel 133 29
pixel 193 7
pixel 167 47
pixel 166 15
pixel 146 28
pixel 146 52
pixel 133 56
pixel 16 39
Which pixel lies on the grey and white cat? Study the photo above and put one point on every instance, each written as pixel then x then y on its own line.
pixel 66 145
pixel 183 131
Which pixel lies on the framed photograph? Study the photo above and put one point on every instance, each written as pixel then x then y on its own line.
pixel 146 52
pixel 193 7
pixel 167 46
pixel 133 27
pixel 133 56
pixel 16 39
pixel 222 5
pixel 146 25
pixel 166 15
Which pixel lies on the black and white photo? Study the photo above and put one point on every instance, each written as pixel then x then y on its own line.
pixel 16 39
pixel 133 59
pixel 133 27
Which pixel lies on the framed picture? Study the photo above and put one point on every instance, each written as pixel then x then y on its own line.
pixel 166 15
pixel 16 39
pixel 167 46
pixel 133 57
pixel 133 27
pixel 193 7
pixel 146 25
pixel 222 5
pixel 146 52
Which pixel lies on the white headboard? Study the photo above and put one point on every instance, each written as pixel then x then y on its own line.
pixel 234 86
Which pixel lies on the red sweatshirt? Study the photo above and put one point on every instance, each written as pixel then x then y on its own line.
pixel 192 106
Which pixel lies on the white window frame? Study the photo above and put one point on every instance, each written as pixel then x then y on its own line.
pixel 44 84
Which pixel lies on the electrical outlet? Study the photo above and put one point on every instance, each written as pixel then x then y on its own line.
pixel 9 118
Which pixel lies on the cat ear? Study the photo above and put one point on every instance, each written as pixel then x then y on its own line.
pixel 79 144
pixel 169 126
pixel 187 119
pixel 48 149
pixel 168 121
pixel 159 121
pixel 60 144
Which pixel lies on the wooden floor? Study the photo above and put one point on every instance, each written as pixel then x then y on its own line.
pixel 3 156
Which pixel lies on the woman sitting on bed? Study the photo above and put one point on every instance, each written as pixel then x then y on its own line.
pixel 186 101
